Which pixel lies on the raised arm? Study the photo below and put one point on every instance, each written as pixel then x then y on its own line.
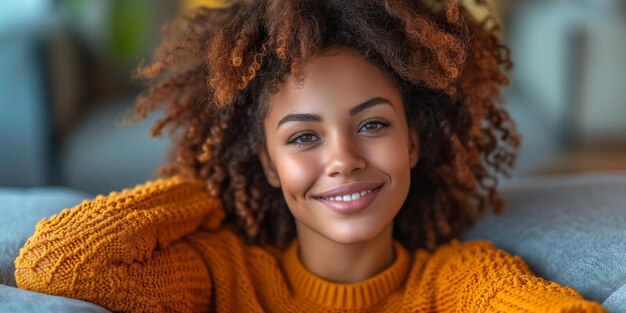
pixel 481 278
pixel 126 251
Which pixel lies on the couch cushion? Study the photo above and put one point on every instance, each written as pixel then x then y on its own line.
pixel 617 300
pixel 14 300
pixel 569 229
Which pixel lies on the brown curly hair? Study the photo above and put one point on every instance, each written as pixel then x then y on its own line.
pixel 214 70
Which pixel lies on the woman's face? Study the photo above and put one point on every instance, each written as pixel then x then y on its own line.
pixel 339 148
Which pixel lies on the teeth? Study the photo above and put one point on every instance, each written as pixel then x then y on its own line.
pixel 355 196
pixel 348 198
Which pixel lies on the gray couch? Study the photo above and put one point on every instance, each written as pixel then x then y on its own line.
pixel 569 229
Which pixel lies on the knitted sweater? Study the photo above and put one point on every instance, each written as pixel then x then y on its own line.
pixel 161 247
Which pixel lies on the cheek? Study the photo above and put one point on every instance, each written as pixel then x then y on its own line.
pixel 297 172
pixel 391 156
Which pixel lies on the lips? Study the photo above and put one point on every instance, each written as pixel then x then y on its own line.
pixel 353 205
pixel 348 190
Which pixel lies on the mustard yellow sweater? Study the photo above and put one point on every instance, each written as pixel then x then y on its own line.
pixel 160 247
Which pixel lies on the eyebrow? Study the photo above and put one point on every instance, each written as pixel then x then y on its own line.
pixel 309 117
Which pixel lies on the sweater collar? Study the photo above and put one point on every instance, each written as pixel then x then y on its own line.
pixel 346 296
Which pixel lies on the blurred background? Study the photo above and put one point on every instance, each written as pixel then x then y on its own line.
pixel 65 69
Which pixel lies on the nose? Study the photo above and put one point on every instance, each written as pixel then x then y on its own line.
pixel 343 157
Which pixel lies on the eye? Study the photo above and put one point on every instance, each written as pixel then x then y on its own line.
pixel 373 125
pixel 303 138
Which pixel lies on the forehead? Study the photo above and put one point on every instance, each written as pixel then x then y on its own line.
pixel 335 78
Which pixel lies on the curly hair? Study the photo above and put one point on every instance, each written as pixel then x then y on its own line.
pixel 215 68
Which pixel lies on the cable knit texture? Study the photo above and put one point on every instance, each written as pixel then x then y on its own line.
pixel 161 247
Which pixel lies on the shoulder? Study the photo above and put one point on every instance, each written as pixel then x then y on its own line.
pixel 228 257
pixel 478 256
pixel 470 268
pixel 481 249
pixel 227 243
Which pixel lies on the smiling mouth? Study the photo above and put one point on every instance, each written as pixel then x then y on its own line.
pixel 350 197
pixel 347 205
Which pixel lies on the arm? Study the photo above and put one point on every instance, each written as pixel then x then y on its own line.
pixel 126 251
pixel 482 278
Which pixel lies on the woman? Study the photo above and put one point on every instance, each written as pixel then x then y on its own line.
pixel 328 154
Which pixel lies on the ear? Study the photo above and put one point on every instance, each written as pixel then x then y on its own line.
pixel 414 147
pixel 268 168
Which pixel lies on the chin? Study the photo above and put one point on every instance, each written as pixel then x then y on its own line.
pixel 354 235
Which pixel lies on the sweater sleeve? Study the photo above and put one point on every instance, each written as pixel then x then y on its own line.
pixel 127 251
pixel 482 278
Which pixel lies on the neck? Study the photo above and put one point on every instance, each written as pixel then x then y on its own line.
pixel 345 263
